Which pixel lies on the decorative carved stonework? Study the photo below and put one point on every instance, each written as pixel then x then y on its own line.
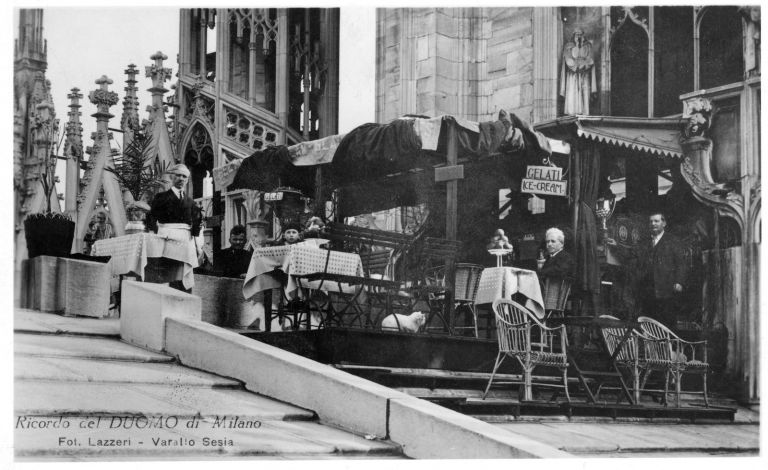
pixel 696 171
pixel 629 13
pixel 103 98
pixel 248 131
pixel 258 22
pixel 698 112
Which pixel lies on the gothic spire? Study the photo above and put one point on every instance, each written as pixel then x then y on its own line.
pixel 130 120
pixel 73 150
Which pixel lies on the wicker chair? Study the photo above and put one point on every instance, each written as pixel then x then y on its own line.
pixel 522 336
pixel 666 351
pixel 626 355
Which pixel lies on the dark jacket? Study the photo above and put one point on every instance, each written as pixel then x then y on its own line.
pixel 232 262
pixel 169 209
pixel 662 265
pixel 560 266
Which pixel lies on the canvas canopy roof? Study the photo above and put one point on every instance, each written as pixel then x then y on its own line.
pixel 374 150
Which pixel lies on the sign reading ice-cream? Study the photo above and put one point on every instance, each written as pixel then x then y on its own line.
pixel 544 180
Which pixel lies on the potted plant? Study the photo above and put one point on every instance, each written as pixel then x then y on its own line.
pixel 140 178
pixel 49 233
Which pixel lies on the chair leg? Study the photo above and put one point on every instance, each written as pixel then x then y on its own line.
pixel 528 386
pixel 678 378
pixel 636 384
pixel 666 387
pixel 565 384
pixel 499 359
pixel 706 401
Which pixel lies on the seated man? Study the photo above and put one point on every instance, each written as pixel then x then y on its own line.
pixel 559 263
pixel 233 261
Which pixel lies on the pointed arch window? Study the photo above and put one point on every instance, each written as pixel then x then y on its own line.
pixel 721 60
pixel 198 156
pixel 629 64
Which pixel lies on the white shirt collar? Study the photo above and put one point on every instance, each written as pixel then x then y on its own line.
pixel 656 238
pixel 555 253
pixel 176 191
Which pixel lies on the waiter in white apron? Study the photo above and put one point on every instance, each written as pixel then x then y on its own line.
pixel 178 219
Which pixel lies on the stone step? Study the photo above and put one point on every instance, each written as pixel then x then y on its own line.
pixel 34 321
pixel 76 369
pixel 84 398
pixel 84 347
pixel 203 438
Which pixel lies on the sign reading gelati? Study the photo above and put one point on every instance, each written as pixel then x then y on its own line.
pixel 278 196
pixel 549 173
pixel 544 180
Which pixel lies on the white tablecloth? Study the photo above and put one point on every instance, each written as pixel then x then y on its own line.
pixel 130 252
pixel 295 260
pixel 503 282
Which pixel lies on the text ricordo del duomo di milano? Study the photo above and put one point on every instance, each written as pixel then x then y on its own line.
pixel 136 431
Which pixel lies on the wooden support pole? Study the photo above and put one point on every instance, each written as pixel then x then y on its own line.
pixel 451 218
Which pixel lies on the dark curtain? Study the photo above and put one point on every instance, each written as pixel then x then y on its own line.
pixel 588 268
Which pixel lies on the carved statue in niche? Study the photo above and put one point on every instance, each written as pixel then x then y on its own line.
pixel 577 76
pixel 751 16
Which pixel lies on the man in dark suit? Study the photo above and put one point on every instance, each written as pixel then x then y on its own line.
pixel 559 263
pixel 663 273
pixel 174 206
pixel 176 215
pixel 234 261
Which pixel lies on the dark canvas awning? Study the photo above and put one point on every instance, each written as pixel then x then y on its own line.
pixel 372 151
pixel 659 136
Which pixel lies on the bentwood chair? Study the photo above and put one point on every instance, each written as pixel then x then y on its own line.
pixel 556 292
pixel 466 284
pixel 522 336
pixel 666 351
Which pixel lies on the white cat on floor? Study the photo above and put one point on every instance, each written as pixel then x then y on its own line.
pixel 412 322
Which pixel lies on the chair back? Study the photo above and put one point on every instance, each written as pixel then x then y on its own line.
pixel 661 348
pixel 512 323
pixel 467 281
pixel 613 336
pixel 556 293
pixel 377 262
pixel 440 249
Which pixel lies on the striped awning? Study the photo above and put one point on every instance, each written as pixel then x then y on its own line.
pixel 654 136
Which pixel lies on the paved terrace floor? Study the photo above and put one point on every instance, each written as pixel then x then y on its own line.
pixel 78 368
